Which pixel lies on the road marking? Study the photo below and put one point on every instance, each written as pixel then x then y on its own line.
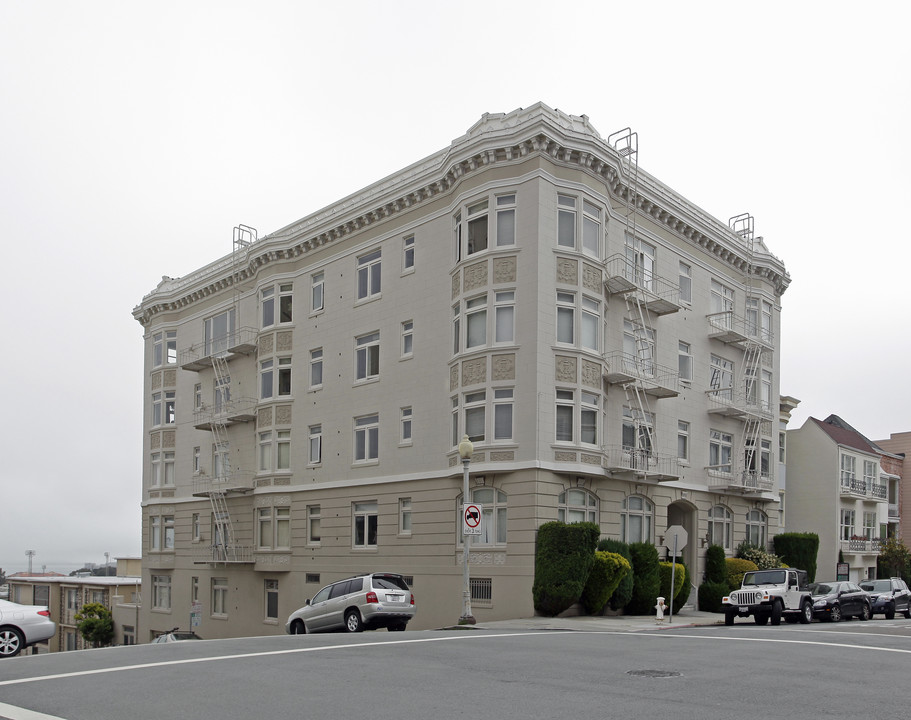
pixel 779 640
pixel 11 712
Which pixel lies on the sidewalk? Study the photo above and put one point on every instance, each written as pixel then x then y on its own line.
pixel 604 623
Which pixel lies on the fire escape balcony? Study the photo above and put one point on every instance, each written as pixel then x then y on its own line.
pixel 655 293
pixel 633 464
pixel 655 380
pixel 733 329
pixel 240 342
pixel 740 406
pixel 238 481
pixel 724 477
pixel 222 554
pixel 227 413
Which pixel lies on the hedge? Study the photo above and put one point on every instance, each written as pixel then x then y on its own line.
pixel 606 573
pixel 624 592
pixel 564 556
pixel 798 550
pixel 665 570
pixel 736 569
pixel 646 579
pixel 716 570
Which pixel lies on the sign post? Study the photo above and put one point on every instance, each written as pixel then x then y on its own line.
pixel 675 534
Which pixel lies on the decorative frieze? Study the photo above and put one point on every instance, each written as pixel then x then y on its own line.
pixel 591 374
pixel 588 459
pixel 264 417
pixel 168 438
pixel 283 415
pixel 564 456
pixel 502 456
pixel 454 377
pixel 567 271
pixel 474 372
pixel 266 343
pixel 503 367
pixel 284 341
pixel 476 276
pixel 155 440
pixel 455 285
pixel 504 270
pixel 156 381
pixel 565 369
pixel 591 278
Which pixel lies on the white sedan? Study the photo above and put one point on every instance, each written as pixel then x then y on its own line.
pixel 23 625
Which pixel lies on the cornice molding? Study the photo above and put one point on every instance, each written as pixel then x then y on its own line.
pixel 505 138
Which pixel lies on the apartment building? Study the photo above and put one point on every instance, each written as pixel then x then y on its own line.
pixel 610 349
pixel 898 445
pixel 839 486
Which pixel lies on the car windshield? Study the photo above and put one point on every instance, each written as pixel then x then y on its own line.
pixel 764 577
pixel 877 586
pixel 821 589
pixel 389 582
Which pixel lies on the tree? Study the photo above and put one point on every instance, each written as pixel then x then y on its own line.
pixel 95 624
pixel 894 557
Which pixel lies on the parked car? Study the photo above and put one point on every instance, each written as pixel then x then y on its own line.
pixel 839 600
pixel 23 625
pixel 176 635
pixel 363 602
pixel 889 595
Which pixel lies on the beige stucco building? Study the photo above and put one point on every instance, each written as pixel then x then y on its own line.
pixel 610 348
pixel 842 487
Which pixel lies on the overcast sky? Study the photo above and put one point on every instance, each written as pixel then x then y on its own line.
pixel 135 135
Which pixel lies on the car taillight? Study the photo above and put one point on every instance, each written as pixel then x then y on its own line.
pixel 371 597
pixel 46 613
pixel 412 599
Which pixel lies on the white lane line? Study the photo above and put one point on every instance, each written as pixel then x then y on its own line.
pixel 11 712
pixel 777 640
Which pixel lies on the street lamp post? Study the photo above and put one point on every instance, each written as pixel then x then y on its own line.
pixel 465 451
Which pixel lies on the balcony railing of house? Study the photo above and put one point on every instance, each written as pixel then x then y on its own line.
pixel 879 491
pixel 641 463
pixel 724 477
pixel 735 329
pixel 225 412
pixel 225 554
pixel 726 402
pixel 654 379
pixel 227 481
pixel 855 486
pixel 656 293
pixel 861 544
pixel 239 342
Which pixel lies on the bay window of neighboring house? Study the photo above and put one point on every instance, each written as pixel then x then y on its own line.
pixel 369 275
pixel 367 356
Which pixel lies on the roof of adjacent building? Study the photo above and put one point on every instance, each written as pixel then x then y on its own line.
pixel 843 434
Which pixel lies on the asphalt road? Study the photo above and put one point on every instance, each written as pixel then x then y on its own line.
pixel 792 671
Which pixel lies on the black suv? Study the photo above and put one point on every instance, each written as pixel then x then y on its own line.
pixel 888 596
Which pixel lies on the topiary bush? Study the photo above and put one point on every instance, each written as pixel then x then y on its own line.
pixel 710 594
pixel 681 597
pixel 665 570
pixel 624 591
pixel 646 579
pixel 563 559
pixel 606 573
pixel 736 568
pixel 798 550
pixel 716 570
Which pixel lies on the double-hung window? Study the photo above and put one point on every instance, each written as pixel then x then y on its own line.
pixel 368 275
pixel 577 505
pixel 167 529
pixel 164 348
pixel 316 444
pixel 506 220
pixel 720 525
pixel 684 362
pixel 285 304
pixel 566 317
pixel 505 316
pixel 591 324
pixel 317 292
pixel 640 257
pixel 220 596
pixel 848 471
pixel 267 371
pixel 475 416
pixel 476 322
pixel 636 519
pixel 685 278
pixel 493 516
pixel 219 332
pixel 368 356
pixel 406 425
pixel 316 368
pixel 366 438
pixel 502 413
pixel 588 426
pixel 566 221
pixel 591 229
pixel 721 449
pixel 565 413
pixel 477 227
pixel 637 432
pixel 721 377
pixel 161 592
pixel 404 516
pixel 408 254
pixel 407 338
pixel 757 528
pixel 313 524
pixel 721 305
pixel 846 524
pixel 683 440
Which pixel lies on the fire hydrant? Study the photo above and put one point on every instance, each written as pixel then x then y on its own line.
pixel 659 609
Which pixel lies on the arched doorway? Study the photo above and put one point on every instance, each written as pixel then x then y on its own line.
pixel 683 513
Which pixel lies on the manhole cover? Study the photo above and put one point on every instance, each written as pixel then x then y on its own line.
pixel 654 673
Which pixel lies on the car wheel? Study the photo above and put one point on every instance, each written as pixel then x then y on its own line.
pixel 11 642
pixel 890 611
pixel 806 612
pixel 835 615
pixel 761 618
pixel 864 612
pixel 729 616
pixel 776 612
pixel 353 622
pixel 298 628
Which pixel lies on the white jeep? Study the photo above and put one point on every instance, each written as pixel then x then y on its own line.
pixel 771 595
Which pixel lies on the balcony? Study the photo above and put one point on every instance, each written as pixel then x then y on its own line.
pixel 655 380
pixel 733 329
pixel 727 403
pixel 202 355
pixel 230 481
pixel 862 488
pixel 654 292
pixel 860 545
pixel 230 554
pixel 745 481
pixel 632 464
pixel 227 412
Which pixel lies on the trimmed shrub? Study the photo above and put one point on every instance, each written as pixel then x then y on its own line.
pixel 798 550
pixel 764 560
pixel 606 573
pixel 621 596
pixel 710 594
pixel 736 569
pixel 646 579
pixel 563 559
pixel 664 590
pixel 716 570
pixel 684 594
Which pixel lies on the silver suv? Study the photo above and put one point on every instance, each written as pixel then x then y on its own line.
pixel 363 602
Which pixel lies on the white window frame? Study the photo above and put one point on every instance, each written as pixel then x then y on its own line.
pixel 161 592
pixel 721 451
pixel 577 505
pixel 566 312
pixel 685 362
pixel 504 317
pixel 366 439
pixel 848 464
pixel 721 377
pixel 683 440
pixel 686 283
pixel 270 600
pixel 503 414
pixel 317 292
pixel 316 368
pixel 476 322
pixel 591 229
pixel 566 221
pixel 313 525
pixel 407 339
pixel 721 527
pixel 506 220
pixel 642 510
pixel 846 523
pixel 164 348
pixel 219 330
pixel 369 276
pixel 589 414
pixel 219 597
pixel 407 426
pixel 494 520
pixel 316 444
pixel 474 413
pixel 367 357
pixel 405 516
pixel 565 409
pixel 590 326
pixel 477 227
pixel 757 528
pixel 408 254
pixel 364 525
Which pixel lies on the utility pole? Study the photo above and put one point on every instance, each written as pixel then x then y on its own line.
pixel 30 554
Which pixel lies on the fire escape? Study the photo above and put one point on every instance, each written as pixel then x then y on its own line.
pixel 744 395
pixel 633 276
pixel 223 342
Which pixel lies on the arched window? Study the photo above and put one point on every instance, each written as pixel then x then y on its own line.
pixel 636 519
pixel 493 516
pixel 757 528
pixel 720 526
pixel 577 505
